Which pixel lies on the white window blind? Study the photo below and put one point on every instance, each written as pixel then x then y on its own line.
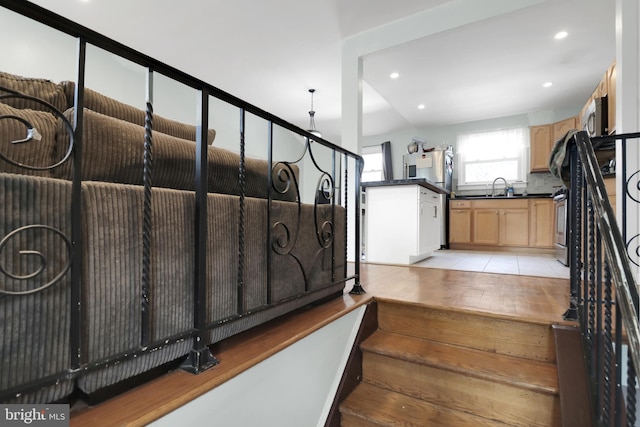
pixel 485 156
pixel 372 163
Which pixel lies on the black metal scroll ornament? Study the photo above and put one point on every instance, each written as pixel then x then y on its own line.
pixel 633 248
pixel 284 180
pixel 284 237
pixel 42 258
pixel 633 245
pixel 631 184
pixel 32 133
pixel 283 243
pixel 324 195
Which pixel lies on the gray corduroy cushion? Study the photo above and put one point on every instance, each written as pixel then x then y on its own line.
pixel 45 90
pixel 112 156
pixel 113 151
pixel 41 151
pixel 305 257
pixel 31 323
pixel 112 284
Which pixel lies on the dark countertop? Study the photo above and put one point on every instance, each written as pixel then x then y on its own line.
pixel 422 182
pixel 517 196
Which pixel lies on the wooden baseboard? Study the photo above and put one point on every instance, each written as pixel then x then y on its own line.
pixel 496 248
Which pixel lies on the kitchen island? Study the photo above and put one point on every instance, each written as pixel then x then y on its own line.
pixel 404 220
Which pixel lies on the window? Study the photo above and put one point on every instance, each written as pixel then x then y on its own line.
pixel 485 156
pixel 372 163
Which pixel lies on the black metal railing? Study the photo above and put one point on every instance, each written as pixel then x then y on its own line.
pixel 333 191
pixel 604 292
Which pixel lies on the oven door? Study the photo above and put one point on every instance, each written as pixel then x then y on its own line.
pixel 561 234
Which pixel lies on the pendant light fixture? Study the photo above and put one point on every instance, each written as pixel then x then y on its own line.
pixel 312 121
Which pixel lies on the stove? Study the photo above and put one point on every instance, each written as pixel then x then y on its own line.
pixel 561 226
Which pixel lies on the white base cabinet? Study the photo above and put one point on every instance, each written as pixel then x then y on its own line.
pixel 403 224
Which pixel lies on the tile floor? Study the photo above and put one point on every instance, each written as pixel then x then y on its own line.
pixel 526 264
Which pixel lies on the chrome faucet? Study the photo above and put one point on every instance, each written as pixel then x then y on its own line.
pixel 493 186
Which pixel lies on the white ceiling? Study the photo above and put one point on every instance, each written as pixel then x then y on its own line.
pixel 270 52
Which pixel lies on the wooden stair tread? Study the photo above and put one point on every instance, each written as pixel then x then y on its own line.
pixel 525 373
pixel 514 337
pixel 371 405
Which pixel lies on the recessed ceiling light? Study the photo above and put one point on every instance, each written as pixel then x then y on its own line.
pixel 421 107
pixel 547 84
pixel 561 35
pixel 394 75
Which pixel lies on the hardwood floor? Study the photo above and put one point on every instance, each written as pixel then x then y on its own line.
pixel 526 297
pixel 459 348
pixel 532 298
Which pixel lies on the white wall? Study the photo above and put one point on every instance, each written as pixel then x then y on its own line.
pixel 447 135
pixel 628 114
pixel 30 49
pixel 292 388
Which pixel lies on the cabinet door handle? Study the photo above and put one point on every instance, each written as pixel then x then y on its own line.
pixel 435 211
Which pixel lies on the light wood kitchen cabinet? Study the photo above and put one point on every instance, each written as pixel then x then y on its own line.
pixel 541 141
pixel 559 129
pixel 460 221
pixel 486 226
pixel 540 147
pixel 514 227
pixel 610 185
pixel 501 222
pixel 603 87
pixel 541 219
pixel 611 99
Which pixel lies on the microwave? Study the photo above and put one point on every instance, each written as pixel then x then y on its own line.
pixel 595 117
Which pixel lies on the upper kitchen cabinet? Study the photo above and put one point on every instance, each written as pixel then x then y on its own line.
pixel 611 98
pixel 559 129
pixel 540 145
pixel 606 87
pixel 542 139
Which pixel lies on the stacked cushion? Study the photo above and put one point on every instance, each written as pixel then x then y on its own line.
pixel 46 90
pixel 113 151
pixel 39 152
pixel 110 107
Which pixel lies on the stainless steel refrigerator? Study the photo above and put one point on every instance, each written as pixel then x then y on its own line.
pixel 435 165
